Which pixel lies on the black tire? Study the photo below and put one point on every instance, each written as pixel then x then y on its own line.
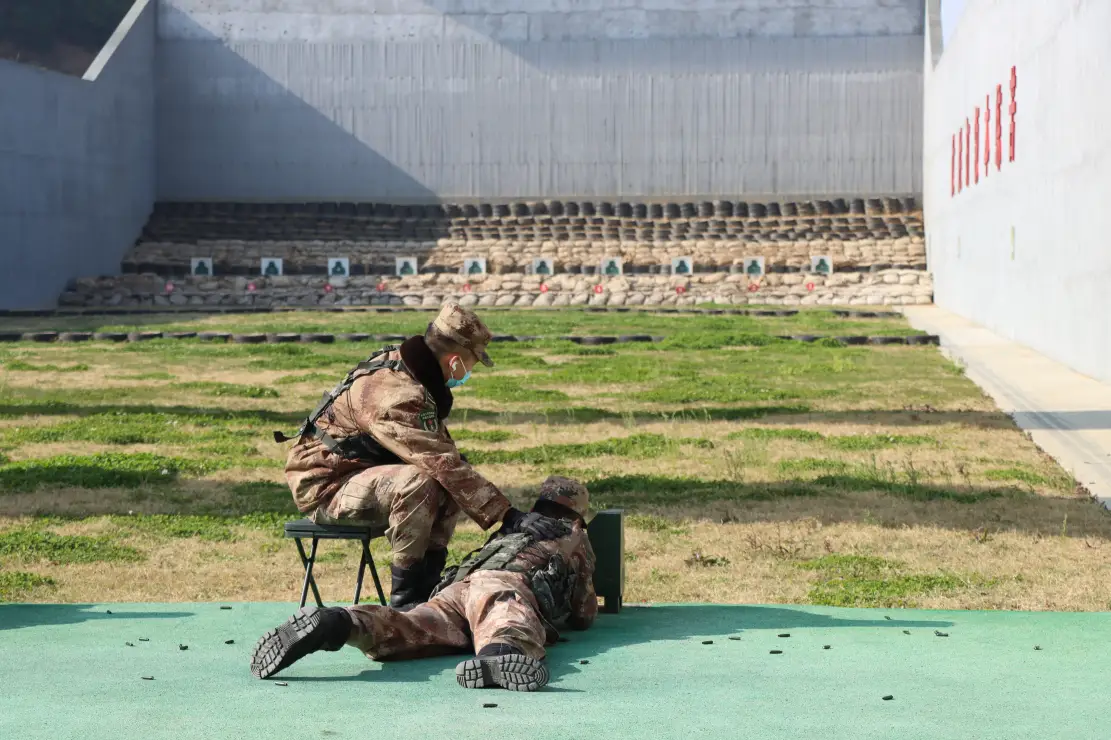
pixel 75 336
pixel 318 338
pixel 111 336
pixel 503 338
pixel 143 336
pixel 842 314
pixel 921 339
pixel 213 336
pixel 786 313
pixel 805 338
pixel 355 337
pixel 595 341
pixel 282 338
pixel 248 338
pixel 40 336
pixel 182 335
pixel 886 340
pixel 763 313
pixel 853 340
pixel 10 336
pixel 634 338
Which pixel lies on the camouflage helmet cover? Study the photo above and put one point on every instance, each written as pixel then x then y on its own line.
pixel 567 493
pixel 462 326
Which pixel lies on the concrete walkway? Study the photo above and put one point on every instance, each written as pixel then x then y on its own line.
pixel 1067 414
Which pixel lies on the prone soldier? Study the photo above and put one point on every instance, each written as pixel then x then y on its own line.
pixel 506 601
pixel 377 451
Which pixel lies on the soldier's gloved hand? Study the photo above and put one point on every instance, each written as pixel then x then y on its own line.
pixel 537 526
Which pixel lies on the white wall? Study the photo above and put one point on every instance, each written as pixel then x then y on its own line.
pixel 1051 289
pixel 404 100
pixel 77 167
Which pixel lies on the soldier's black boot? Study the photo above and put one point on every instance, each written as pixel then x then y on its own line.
pixel 413 586
pixel 307 631
pixel 408 588
pixel 502 665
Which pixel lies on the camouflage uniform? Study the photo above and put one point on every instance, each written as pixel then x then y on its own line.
pixel 419 498
pixel 487 607
pixel 505 601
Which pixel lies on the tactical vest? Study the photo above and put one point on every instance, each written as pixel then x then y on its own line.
pixel 497 554
pixel 360 447
pixel 551 585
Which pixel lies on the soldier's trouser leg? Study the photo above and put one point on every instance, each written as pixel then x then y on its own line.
pixel 501 610
pixel 418 511
pixel 437 627
pixel 508 634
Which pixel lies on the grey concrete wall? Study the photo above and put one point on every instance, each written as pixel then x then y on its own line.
pixel 1025 251
pixel 77 177
pixel 403 100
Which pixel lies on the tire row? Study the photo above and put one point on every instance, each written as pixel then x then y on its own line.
pixel 312 338
pixel 421 309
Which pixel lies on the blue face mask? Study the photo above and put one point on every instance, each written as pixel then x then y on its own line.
pixel 456 382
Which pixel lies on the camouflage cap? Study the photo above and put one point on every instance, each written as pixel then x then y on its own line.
pixel 462 326
pixel 566 492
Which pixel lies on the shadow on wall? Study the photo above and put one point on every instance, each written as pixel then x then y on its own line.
pixel 229 129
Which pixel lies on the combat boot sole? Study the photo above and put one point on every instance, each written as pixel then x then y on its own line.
pixel 304 633
pixel 513 672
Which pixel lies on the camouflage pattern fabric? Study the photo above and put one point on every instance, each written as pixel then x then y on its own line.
pixel 462 326
pixel 418 510
pixel 493 606
pixel 397 411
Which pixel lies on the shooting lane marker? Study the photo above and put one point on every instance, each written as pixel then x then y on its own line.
pixel 599 289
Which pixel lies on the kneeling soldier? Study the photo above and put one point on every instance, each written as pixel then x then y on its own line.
pixel 505 601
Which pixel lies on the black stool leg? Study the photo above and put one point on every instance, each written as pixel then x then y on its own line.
pixel 309 580
pixel 373 572
pixel 362 568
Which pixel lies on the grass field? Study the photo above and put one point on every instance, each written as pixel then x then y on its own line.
pixel 753 470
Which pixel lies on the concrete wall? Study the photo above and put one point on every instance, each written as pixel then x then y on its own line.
pixel 1025 250
pixel 77 175
pixel 402 100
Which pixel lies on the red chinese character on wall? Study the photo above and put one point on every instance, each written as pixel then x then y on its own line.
pixel 967 152
pixel 953 166
pixel 1014 108
pixel 987 136
pixel 998 127
pixel 960 160
pixel 976 177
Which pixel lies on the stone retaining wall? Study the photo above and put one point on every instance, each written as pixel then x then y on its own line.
pixel 883 287
pixel 717 235
pixel 876 246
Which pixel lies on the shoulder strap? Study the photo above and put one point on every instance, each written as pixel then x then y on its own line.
pixel 366 367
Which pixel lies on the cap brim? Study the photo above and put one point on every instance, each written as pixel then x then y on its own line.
pixel 484 358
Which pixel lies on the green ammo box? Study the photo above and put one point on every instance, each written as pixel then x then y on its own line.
pixel 607 538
